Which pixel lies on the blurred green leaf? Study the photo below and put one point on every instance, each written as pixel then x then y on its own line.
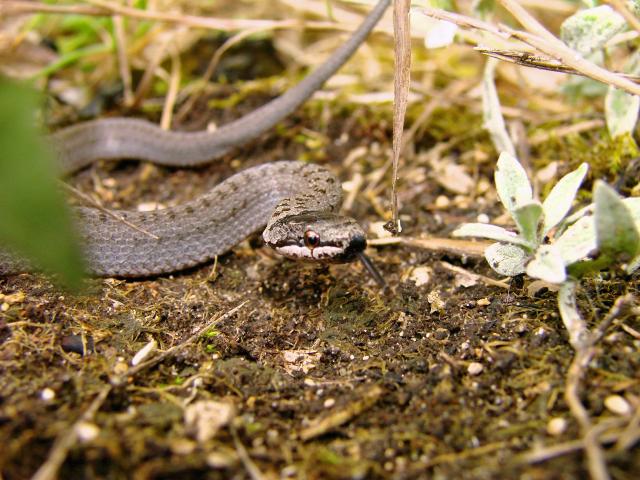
pixel 528 218
pixel 588 30
pixel 512 183
pixel 547 265
pixel 616 233
pixel 561 196
pixel 34 220
pixel 621 111
pixel 506 259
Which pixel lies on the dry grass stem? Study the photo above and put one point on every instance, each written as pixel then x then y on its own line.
pixel 546 44
pixel 622 8
pixel 463 248
pixel 121 379
pixel 211 69
pixel 65 442
pixel 123 60
pixel 18 7
pixel 87 200
pixel 541 137
pixel 542 62
pixel 577 370
pixel 401 83
pixel 172 94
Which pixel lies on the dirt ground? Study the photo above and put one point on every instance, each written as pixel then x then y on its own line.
pixel 266 368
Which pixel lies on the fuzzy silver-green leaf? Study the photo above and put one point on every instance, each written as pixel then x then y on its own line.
pixel 561 196
pixel 512 183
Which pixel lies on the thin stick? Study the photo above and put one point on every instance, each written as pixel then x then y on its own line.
pixel 172 94
pixel 541 62
pixel 555 49
pixel 211 68
pixel 249 466
pixel 123 61
pixel 401 81
pixel 585 351
pixel 547 43
pixel 120 380
pixel 91 202
pixel 18 7
pixel 63 444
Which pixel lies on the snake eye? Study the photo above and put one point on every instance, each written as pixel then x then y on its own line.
pixel 311 239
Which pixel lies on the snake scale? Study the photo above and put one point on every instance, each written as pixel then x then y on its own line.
pixel 296 201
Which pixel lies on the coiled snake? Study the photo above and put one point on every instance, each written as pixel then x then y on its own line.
pixel 296 201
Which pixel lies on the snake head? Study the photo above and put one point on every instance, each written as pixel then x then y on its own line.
pixel 325 237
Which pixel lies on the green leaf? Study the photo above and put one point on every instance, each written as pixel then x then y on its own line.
pixel 589 29
pixel 621 111
pixel 492 113
pixel 492 232
pixel 616 233
pixel 505 259
pixel 561 196
pixel 528 218
pixel 512 182
pixel 34 220
pixel 547 265
pixel 578 241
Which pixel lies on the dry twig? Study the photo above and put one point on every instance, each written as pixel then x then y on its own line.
pixel 546 44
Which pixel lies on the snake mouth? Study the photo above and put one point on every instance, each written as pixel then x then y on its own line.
pixel 329 253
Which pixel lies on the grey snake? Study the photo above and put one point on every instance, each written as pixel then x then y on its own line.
pixel 297 202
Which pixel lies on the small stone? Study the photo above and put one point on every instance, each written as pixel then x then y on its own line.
pixel 483 218
pixel 475 368
pixel 442 202
pixel 556 426
pixel 618 405
pixel 436 302
pixel 87 431
pixel 47 394
pixel 79 344
pixel 120 368
pixel 144 352
pixel 182 446
pixel 377 230
pixel 421 275
pixel 220 459
pixel 203 419
pixel 150 206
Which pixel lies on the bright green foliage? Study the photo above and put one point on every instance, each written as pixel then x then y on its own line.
pixel 34 220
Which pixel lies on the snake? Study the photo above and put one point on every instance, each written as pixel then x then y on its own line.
pixel 298 202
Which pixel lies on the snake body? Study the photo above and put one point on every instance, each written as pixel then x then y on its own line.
pixel 295 201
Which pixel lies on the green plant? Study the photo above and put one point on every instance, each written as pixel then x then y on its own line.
pixel 600 235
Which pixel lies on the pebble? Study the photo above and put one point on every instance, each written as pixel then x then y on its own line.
pixel 47 394
pixel 420 275
pixel 556 426
pixel 618 405
pixel 475 368
pixel 87 431
pixel 75 344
